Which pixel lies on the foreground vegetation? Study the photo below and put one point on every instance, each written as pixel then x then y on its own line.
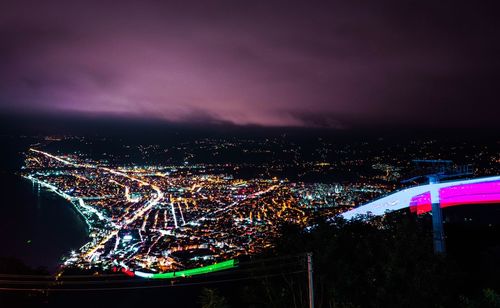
pixel 386 262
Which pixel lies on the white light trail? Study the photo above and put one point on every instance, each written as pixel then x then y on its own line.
pixel 173 214
pixel 180 211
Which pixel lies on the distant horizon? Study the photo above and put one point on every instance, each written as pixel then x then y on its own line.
pixel 83 124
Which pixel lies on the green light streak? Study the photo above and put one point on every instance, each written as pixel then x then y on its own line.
pixel 192 272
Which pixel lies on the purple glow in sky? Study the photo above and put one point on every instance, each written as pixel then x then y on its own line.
pixel 270 63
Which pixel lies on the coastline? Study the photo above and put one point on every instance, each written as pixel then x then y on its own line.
pixel 93 234
pixel 77 206
pixel 65 196
pixel 39 228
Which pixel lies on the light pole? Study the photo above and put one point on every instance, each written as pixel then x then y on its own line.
pixel 437 217
pixel 310 279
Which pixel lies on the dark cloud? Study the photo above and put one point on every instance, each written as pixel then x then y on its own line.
pixel 271 63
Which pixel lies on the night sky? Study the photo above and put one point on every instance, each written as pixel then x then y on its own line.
pixel 314 64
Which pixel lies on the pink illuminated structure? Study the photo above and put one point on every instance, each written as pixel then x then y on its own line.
pixel 418 199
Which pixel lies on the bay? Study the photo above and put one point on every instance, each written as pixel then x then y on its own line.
pixel 37 226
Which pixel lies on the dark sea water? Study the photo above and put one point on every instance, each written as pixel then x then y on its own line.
pixel 36 226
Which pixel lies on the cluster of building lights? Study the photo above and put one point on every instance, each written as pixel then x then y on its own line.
pixel 164 222
pixel 178 221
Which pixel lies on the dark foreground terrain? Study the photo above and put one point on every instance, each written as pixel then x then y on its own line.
pixel 388 262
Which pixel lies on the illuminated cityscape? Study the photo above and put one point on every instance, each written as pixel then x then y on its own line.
pixel 149 220
pixel 155 219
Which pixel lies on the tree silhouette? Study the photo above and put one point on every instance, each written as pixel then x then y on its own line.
pixel 211 298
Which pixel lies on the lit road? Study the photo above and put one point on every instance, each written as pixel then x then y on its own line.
pixel 139 213
pixel 141 219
